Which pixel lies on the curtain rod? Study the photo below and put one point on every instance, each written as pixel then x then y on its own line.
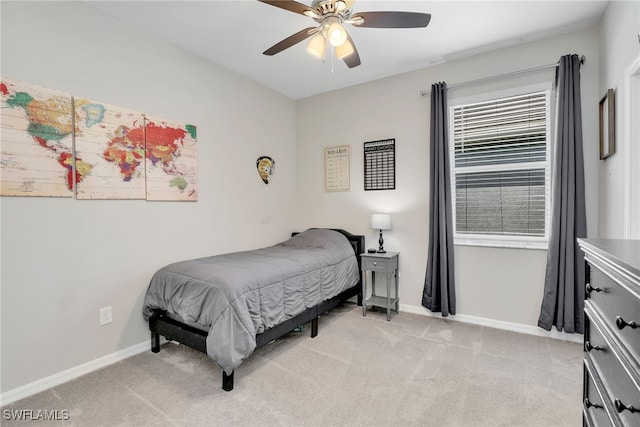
pixel 499 76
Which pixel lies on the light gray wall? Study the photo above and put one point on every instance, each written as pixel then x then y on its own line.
pixel 63 259
pixel 619 174
pixel 500 284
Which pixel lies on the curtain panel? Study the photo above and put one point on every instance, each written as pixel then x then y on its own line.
pixel 563 299
pixel 439 286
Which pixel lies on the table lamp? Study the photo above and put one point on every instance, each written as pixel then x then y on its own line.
pixel 381 222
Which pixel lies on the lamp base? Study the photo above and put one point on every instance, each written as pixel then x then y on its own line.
pixel 380 243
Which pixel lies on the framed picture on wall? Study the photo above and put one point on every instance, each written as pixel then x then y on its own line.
pixel 380 165
pixel 337 168
pixel 607 125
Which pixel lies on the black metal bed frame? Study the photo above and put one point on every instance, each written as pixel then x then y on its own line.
pixel 173 330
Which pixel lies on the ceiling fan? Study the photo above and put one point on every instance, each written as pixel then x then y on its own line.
pixel 331 15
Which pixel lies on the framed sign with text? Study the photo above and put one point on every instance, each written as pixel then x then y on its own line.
pixel 337 168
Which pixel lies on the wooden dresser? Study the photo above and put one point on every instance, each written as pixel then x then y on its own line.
pixel 612 333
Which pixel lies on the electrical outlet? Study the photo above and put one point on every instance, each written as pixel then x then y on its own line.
pixel 106 316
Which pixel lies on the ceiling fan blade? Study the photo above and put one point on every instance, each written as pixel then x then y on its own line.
pixel 290 41
pixel 352 60
pixel 290 5
pixel 392 19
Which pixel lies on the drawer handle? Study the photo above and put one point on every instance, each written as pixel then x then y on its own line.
pixel 588 404
pixel 622 407
pixel 590 289
pixel 375 264
pixel 621 323
pixel 588 347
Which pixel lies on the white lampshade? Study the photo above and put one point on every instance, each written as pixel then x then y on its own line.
pixel 336 34
pixel 316 46
pixel 345 50
pixel 381 221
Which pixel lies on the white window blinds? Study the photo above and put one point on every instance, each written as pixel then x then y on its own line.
pixel 500 166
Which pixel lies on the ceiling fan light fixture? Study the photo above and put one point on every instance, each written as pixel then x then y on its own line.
pixel 316 46
pixel 336 34
pixel 330 17
pixel 345 50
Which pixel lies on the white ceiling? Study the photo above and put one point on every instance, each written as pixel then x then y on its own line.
pixel 234 34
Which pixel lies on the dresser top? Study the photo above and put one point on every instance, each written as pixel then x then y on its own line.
pixel 624 252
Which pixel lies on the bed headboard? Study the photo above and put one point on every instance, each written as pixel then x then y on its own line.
pixel 357 242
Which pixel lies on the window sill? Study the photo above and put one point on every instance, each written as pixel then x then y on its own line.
pixel 511 244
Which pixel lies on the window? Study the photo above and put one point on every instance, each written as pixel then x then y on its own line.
pixel 500 170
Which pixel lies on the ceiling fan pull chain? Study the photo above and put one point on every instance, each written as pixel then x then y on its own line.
pixel 332 55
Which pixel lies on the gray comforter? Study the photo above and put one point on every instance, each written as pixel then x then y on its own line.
pixel 236 296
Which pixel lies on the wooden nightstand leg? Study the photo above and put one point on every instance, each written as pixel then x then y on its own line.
pixel 364 292
pixel 373 283
pixel 395 273
pixel 388 299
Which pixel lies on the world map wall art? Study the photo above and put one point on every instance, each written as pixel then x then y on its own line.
pixel 57 145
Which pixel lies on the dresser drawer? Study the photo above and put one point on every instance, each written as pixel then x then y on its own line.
pixel 620 377
pixel 375 264
pixel 612 331
pixel 594 408
pixel 380 264
pixel 618 307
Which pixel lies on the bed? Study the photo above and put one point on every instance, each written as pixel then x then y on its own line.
pixel 229 305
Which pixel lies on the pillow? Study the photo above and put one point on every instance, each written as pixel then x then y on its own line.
pixel 311 238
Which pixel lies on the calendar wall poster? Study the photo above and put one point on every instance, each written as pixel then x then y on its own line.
pixel 380 165
pixel 337 168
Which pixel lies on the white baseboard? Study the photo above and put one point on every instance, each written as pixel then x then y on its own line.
pixel 70 374
pixel 498 324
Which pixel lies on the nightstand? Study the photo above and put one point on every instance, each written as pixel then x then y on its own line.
pixel 385 263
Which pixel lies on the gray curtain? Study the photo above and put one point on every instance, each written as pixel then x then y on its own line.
pixel 439 285
pixel 563 300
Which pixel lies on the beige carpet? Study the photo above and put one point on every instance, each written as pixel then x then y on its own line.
pixel 359 371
